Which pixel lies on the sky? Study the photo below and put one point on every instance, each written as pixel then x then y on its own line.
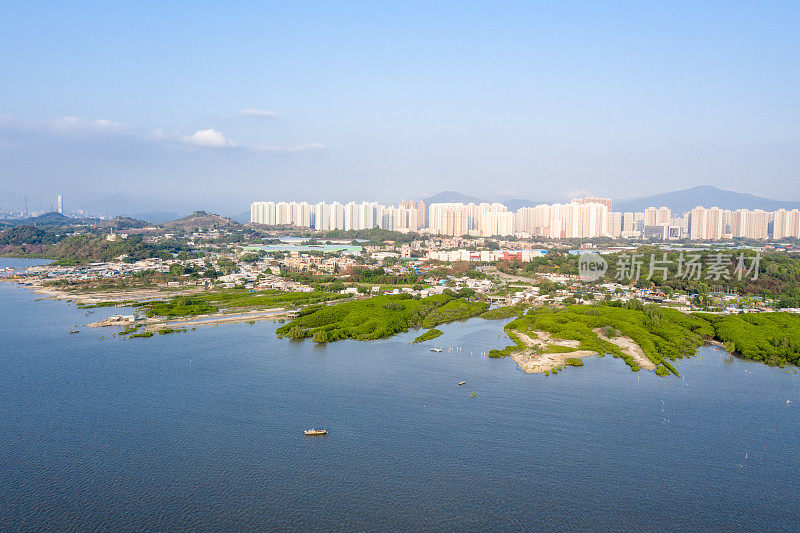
pixel 174 106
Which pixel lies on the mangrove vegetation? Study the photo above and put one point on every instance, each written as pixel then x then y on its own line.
pixel 379 317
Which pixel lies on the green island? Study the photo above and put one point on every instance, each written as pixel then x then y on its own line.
pixel 645 336
pixel 428 335
pixel 379 317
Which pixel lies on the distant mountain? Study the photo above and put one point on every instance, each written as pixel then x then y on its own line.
pixel 48 219
pixel 55 220
pixel 242 218
pixel 156 217
pixel 451 197
pixel 457 198
pixel 199 220
pixel 518 203
pixel 706 196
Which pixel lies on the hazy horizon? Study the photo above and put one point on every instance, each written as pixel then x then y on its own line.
pixel 129 109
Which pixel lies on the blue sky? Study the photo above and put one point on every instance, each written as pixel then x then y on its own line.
pixel 140 106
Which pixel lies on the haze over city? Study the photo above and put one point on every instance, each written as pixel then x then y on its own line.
pixel 399 266
pixel 181 107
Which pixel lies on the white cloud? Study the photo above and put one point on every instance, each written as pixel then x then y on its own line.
pixel 309 146
pixel 104 123
pixel 253 112
pixel 160 134
pixel 305 147
pixel 70 125
pixel 209 138
pixel 91 132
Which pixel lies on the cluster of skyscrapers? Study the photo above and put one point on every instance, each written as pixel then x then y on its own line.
pixel 715 223
pixel 350 216
pixel 582 218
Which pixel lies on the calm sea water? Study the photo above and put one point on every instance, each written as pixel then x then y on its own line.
pixel 204 429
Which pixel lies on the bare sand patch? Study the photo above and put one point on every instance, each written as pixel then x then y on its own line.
pixel 538 363
pixel 532 363
pixel 628 347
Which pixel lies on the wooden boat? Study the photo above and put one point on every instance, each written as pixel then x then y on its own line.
pixel 75 331
pixel 462 382
pixel 315 432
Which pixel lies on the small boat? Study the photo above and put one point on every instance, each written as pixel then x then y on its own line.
pixel 437 350
pixel 315 432
pixel 75 331
pixel 462 382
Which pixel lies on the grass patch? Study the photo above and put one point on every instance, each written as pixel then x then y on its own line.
pixel 169 331
pixel 557 348
pixel 130 329
pixel 181 306
pixel 98 304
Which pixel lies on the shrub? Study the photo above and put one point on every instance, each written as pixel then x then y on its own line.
pixel 428 335
pixel 662 371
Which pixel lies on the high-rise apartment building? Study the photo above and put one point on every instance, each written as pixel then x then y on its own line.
pixel 614 224
pixel 786 224
pixel 581 219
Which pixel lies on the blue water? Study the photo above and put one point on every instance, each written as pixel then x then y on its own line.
pixel 204 429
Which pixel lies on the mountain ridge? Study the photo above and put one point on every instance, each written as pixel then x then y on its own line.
pixel 680 201
pixel 705 196
pixel 454 197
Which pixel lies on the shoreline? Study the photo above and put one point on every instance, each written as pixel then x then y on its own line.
pixel 154 324
pixel 543 354
pixel 120 298
pixel 130 297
